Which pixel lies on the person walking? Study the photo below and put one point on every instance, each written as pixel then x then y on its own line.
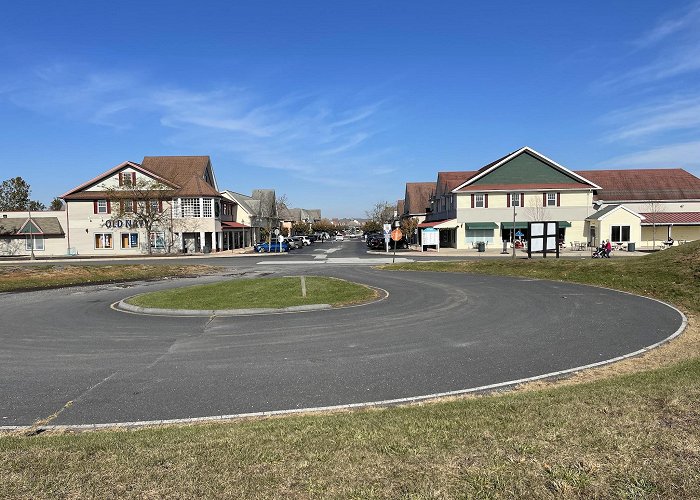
pixel 608 248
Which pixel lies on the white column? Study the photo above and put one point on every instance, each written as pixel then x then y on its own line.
pixel 220 239
pixel 202 240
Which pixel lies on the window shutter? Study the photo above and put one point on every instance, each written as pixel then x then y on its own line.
pixel 472 200
pixel 160 206
pixel 121 181
pixel 508 199
pixel 121 207
pixel 558 199
pixel 133 178
pixel 109 207
pixel 522 199
pixel 544 199
pixel 486 200
pixel 94 206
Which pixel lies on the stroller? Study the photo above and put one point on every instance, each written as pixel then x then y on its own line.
pixel 600 253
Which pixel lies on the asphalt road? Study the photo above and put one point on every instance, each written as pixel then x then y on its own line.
pixel 66 352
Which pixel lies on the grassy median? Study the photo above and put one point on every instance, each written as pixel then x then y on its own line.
pixel 635 435
pixel 258 293
pixel 24 277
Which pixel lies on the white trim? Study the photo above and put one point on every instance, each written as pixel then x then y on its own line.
pixel 641 217
pixel 527 149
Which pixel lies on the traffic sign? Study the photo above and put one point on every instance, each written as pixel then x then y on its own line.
pixel 396 235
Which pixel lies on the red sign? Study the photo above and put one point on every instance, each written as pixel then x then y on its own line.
pixel 396 234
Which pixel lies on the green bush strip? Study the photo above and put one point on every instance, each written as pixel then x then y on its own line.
pixel 34 277
pixel 257 293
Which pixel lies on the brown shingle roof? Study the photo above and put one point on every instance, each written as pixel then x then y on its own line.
pixel 417 197
pixel 447 181
pixel 644 184
pixel 49 226
pixel 400 205
pixel 672 218
pixel 185 171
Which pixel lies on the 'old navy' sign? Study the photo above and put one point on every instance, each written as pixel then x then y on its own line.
pixel 126 223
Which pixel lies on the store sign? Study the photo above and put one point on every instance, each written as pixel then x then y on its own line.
pixel 125 223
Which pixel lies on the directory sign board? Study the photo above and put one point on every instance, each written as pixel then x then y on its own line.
pixel 431 236
pixel 543 238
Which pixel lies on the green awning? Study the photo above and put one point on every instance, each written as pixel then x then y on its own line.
pixel 518 225
pixel 481 225
pixel 563 223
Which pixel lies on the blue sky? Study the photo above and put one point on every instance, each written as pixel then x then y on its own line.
pixel 338 104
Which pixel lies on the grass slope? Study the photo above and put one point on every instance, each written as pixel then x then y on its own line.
pixel 257 293
pixel 14 277
pixel 629 436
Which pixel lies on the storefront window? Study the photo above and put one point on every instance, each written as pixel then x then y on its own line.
pixel 103 240
pixel 157 239
pixel 130 240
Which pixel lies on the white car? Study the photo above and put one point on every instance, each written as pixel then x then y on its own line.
pixel 306 240
pixel 339 237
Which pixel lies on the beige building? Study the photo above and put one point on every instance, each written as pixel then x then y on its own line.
pixel 495 203
pixel 165 204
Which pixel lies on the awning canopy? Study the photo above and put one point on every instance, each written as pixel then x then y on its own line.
pixel 234 225
pixel 439 224
pixel 481 225
pixel 518 225
pixel 523 225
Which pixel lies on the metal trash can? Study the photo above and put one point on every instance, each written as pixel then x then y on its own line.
pixel 630 247
pixel 480 246
pixel 207 249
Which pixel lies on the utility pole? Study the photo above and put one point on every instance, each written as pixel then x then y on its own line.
pixel 31 238
pixel 512 238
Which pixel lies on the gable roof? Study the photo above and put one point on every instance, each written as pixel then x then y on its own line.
pixel 110 172
pixel 417 197
pixel 400 206
pixel 645 184
pixel 48 226
pixel 448 181
pixel 244 201
pixel 604 212
pixel 487 169
pixel 188 172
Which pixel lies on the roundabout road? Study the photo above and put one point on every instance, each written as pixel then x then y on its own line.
pixel 66 356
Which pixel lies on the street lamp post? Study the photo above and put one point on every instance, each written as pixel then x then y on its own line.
pixel 31 238
pixel 512 238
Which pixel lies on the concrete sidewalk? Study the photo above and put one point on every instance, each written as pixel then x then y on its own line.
pixel 496 253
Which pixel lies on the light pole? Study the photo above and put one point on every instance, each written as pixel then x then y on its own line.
pixel 512 238
pixel 31 238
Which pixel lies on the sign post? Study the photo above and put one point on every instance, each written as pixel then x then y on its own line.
pixel 387 235
pixel 396 235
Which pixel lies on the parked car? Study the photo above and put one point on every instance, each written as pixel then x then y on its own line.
pixel 339 237
pixel 271 247
pixel 293 243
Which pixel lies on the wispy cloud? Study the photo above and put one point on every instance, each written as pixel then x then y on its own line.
pixel 666 58
pixel 685 155
pixel 304 134
pixel 668 26
pixel 649 119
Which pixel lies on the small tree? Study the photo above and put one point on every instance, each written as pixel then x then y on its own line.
pixel 323 226
pixel 303 228
pixel 143 202
pixel 382 212
pixel 535 211
pixel 56 204
pixel 408 227
pixel 14 196
pixel 654 208
pixel 371 226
